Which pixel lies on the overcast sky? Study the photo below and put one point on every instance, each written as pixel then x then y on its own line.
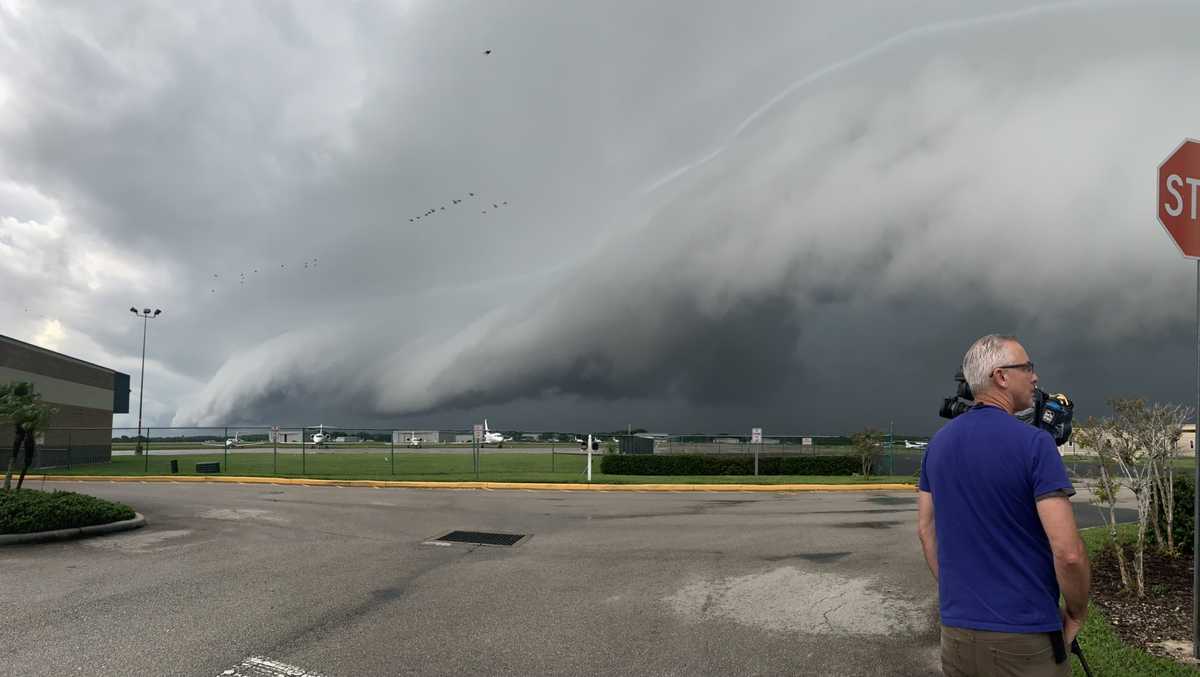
pixel 700 216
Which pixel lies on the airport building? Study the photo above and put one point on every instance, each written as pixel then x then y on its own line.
pixel 277 436
pixel 1186 444
pixel 401 437
pixel 86 396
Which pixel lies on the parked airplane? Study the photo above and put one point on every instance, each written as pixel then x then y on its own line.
pixel 233 443
pixel 915 445
pixel 321 438
pixel 490 437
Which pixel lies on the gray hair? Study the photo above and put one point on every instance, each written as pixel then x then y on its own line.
pixel 982 358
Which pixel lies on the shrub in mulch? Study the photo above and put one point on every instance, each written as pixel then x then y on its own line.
pixel 1165 613
pixel 28 510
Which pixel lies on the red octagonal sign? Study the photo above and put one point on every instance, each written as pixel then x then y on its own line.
pixel 1179 197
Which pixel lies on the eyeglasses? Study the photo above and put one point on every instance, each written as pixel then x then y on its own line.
pixel 1025 366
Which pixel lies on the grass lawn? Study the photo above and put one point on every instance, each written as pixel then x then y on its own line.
pixel 1181 462
pixel 1105 653
pixel 494 467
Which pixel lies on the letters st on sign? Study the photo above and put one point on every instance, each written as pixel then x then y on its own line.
pixel 1179 197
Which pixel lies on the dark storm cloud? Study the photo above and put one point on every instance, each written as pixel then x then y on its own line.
pixel 796 217
pixel 873 228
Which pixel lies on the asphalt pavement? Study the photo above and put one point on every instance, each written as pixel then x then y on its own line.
pixel 342 582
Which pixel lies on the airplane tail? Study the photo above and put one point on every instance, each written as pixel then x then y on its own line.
pixel 485 426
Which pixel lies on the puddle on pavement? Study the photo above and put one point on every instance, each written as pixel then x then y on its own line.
pixel 893 500
pixel 882 524
pixel 790 600
pixel 809 556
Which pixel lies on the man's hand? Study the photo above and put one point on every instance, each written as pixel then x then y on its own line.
pixel 1071 628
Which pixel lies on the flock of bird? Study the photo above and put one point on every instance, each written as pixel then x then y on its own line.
pixel 310 264
pixel 454 203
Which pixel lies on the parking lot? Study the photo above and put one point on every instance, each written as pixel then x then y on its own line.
pixel 349 582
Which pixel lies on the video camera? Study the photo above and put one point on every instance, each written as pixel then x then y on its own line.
pixel 1051 413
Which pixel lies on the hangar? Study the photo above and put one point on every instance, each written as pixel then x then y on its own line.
pixel 86 396
pixel 401 437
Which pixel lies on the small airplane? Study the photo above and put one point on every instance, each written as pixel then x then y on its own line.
pixel 490 437
pixel 233 443
pixel 321 438
pixel 415 441
pixel 915 445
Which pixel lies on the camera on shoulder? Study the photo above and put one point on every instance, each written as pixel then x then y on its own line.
pixel 1052 413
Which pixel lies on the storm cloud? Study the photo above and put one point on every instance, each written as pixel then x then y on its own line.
pixel 798 219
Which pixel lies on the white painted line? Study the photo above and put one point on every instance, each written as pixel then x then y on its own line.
pixel 261 666
pixel 441 543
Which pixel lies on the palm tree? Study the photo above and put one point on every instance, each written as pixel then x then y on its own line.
pixel 22 406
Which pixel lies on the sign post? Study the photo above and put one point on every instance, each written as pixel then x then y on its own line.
pixel 1179 214
pixel 756 441
pixel 476 438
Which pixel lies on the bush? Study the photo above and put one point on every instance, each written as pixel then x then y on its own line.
pixel 692 464
pixel 28 510
pixel 1185 497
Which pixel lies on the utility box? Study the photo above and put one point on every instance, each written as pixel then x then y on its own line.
pixel 634 444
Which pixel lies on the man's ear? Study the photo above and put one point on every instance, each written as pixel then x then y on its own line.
pixel 1001 379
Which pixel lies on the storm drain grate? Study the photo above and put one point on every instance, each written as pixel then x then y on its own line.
pixel 482 538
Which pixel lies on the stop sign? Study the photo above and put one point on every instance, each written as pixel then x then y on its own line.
pixel 1179 197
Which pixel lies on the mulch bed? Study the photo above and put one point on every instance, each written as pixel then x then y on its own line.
pixel 1165 613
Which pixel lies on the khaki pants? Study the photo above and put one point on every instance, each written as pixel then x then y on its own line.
pixel 979 653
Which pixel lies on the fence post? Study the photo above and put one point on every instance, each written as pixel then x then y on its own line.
pixel 393 452
pixel 274 452
pixel 303 448
pixel 146 453
pixel 68 450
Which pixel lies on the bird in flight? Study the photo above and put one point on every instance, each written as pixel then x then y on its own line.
pixel 487 51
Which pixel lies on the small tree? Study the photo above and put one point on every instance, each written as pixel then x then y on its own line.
pixel 21 406
pixel 1105 490
pixel 1136 446
pixel 866 444
pixel 1163 432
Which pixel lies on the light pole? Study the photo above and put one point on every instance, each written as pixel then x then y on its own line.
pixel 146 316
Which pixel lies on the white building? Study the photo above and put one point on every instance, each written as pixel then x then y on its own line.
pixel 1186 444
pixel 285 436
pixel 402 437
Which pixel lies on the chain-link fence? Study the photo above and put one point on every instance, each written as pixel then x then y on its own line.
pixel 455 453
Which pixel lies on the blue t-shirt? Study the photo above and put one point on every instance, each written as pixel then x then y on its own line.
pixel 985 470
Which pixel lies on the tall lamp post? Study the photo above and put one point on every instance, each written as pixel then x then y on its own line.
pixel 146 317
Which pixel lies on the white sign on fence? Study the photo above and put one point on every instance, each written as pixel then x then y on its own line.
pixel 806 441
pixel 756 436
pixel 477 431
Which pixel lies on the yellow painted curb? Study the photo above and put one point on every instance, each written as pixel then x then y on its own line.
pixel 528 486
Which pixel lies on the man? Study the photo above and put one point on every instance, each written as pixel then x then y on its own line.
pixel 997 528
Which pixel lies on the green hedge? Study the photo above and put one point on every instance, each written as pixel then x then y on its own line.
pixel 28 510
pixel 1184 499
pixel 695 464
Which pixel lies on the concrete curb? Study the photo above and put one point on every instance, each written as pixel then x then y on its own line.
pixel 137 522
pixel 487 486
